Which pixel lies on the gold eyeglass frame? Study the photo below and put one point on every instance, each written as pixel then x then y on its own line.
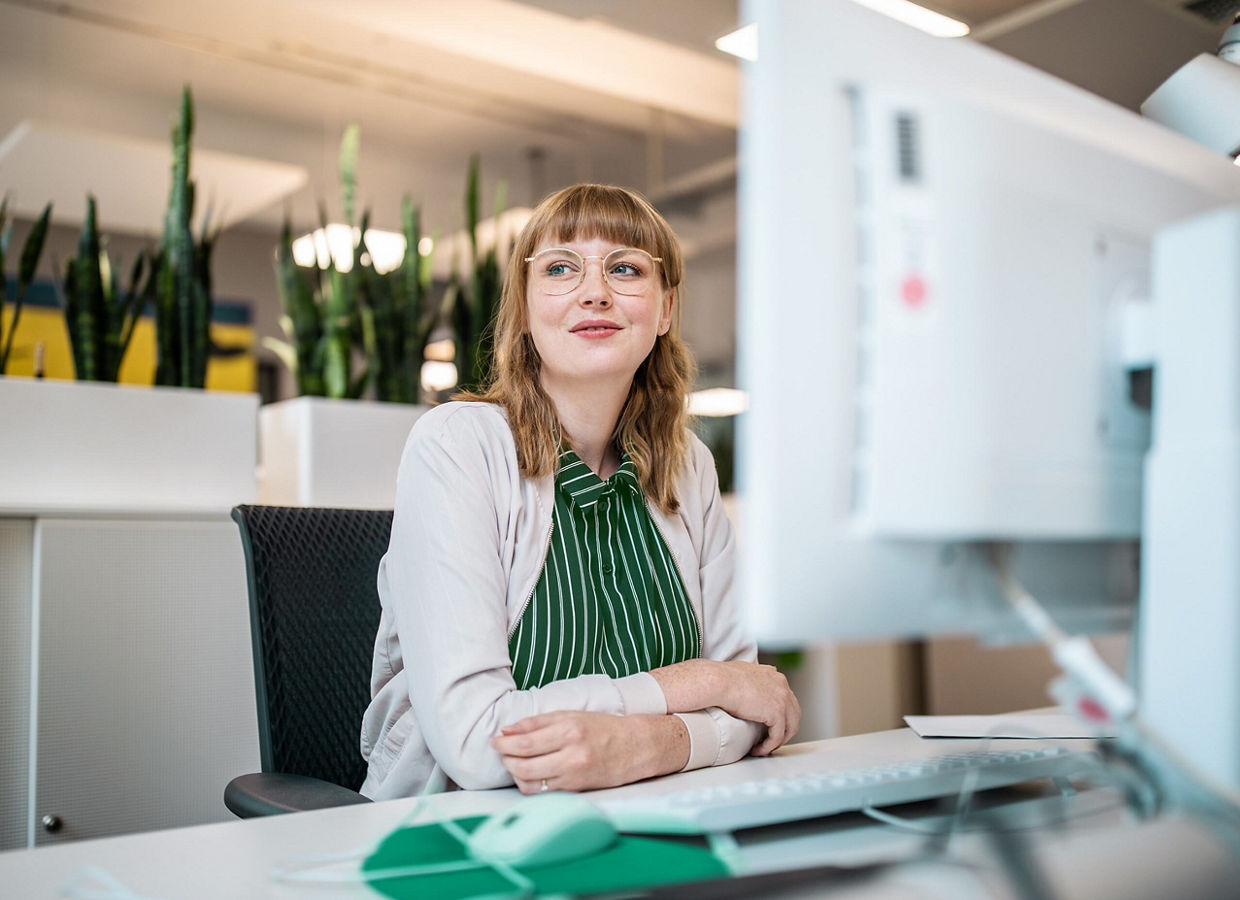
pixel 581 275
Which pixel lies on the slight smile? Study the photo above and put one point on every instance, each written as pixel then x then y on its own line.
pixel 595 328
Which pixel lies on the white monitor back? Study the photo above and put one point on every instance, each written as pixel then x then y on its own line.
pixel 990 399
pixel 940 248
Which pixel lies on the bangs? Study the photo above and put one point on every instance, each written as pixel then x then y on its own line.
pixel 607 213
pixel 592 212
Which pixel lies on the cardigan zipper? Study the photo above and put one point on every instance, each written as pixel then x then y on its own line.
pixel 530 596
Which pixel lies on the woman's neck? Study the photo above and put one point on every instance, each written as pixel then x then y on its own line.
pixel 589 414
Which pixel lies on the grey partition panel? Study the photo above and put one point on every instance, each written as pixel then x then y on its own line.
pixel 16 541
pixel 145 693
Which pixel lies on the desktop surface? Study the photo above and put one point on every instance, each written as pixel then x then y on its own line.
pixel 234 859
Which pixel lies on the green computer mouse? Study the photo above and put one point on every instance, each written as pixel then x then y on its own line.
pixel 542 830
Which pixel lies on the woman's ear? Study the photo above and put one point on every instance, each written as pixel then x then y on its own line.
pixel 665 315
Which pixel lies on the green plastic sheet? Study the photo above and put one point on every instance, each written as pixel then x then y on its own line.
pixel 631 863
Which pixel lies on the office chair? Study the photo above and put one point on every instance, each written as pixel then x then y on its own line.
pixel 314 612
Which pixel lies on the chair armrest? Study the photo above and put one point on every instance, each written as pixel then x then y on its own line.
pixel 271 793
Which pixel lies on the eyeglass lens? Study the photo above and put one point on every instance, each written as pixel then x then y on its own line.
pixel 627 270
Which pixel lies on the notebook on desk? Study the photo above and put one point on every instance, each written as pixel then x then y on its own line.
pixel 1020 726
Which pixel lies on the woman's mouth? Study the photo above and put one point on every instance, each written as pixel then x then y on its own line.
pixel 595 328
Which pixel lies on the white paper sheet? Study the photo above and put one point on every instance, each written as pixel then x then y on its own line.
pixel 1035 725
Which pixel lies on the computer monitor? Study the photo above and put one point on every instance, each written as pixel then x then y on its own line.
pixel 944 271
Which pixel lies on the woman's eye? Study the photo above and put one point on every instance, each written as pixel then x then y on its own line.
pixel 626 270
pixel 560 269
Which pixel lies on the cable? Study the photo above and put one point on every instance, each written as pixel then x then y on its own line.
pixel 1099 695
pixel 899 822
pixel 1022 869
pixel 934 829
pixel 524 885
pixel 289 870
pixel 318 869
pixel 1019 865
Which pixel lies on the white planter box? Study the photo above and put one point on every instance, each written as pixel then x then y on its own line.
pixel 343 453
pixel 83 446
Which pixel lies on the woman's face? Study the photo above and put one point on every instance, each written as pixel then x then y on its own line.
pixel 594 331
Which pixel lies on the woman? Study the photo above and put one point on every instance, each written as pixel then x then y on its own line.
pixel 557 603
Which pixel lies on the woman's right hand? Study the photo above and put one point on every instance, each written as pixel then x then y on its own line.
pixel 760 693
pixel 750 691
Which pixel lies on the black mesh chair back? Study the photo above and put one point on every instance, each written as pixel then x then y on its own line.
pixel 314 612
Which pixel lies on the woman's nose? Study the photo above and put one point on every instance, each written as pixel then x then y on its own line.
pixel 594 290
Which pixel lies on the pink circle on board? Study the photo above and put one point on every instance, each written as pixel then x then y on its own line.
pixel 913 291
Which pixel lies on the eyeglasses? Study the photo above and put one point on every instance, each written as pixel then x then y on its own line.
pixel 627 270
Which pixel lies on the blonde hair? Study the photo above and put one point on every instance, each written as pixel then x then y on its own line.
pixel 652 427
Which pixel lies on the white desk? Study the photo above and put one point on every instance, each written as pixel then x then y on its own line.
pixel 1099 856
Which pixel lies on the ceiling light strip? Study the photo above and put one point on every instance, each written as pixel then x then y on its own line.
pixel 744 41
pixel 918 17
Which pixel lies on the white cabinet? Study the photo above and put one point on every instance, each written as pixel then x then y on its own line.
pixel 131 703
pixel 16 549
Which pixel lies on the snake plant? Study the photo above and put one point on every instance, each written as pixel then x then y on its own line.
pixel 320 317
pixel 474 303
pixel 182 269
pixel 99 317
pixel 32 249
pixel 397 314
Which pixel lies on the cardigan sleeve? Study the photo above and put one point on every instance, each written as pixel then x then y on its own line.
pixel 447 589
pixel 715 737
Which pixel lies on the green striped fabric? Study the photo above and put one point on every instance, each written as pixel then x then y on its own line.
pixel 610 600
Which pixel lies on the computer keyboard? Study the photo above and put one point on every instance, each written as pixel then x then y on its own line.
pixel 748 804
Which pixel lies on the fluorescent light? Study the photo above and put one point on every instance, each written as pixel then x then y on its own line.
pixel 387 248
pixel 743 42
pixel 718 402
pixel 909 13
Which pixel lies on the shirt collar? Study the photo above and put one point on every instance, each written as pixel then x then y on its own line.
pixel 584 488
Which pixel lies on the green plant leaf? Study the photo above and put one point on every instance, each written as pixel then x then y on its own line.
pixel 335 367
pixel 6 231
pixel 88 283
pixel 471 205
pixel 501 204
pixel 350 144
pixel 182 288
pixel 32 249
pixel 368 330
pixel 284 350
pixel 141 291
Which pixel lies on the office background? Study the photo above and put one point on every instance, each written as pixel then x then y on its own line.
pixel 547 93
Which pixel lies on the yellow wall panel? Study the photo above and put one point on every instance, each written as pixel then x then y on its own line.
pixel 37 323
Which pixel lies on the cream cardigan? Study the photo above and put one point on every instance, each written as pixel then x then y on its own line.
pixel 469 538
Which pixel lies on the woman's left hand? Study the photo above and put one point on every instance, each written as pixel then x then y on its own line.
pixel 577 751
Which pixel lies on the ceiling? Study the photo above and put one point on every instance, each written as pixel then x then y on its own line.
pixel 546 91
